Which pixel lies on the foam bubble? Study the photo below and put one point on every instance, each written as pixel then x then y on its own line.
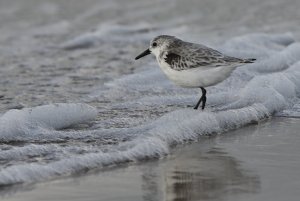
pixel 22 124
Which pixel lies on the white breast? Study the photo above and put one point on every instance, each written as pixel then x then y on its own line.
pixel 196 77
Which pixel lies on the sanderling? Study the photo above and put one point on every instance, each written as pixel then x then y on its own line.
pixel 192 65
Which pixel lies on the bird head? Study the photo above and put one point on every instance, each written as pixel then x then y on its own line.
pixel 157 45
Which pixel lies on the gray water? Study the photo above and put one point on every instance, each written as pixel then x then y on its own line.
pixel 82 52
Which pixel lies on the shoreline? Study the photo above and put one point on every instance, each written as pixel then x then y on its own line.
pixel 240 165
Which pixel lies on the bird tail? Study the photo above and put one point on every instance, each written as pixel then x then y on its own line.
pixel 249 60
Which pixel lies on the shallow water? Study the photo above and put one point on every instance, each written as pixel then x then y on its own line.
pixel 258 162
pixel 127 111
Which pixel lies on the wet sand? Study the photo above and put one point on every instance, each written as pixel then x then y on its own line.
pixel 258 162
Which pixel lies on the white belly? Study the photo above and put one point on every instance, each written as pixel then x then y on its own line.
pixel 197 77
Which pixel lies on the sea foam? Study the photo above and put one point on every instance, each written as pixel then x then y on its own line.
pixel 23 124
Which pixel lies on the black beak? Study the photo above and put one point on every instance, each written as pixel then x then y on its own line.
pixel 145 53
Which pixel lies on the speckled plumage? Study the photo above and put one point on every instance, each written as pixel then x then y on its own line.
pixel 192 65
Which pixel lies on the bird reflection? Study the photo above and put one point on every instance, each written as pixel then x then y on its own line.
pixel 209 175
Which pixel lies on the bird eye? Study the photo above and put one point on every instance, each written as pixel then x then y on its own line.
pixel 154 44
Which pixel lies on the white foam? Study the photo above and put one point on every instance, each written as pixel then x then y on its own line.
pixel 150 147
pixel 23 124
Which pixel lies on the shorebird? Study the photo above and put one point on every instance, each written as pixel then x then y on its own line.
pixel 192 65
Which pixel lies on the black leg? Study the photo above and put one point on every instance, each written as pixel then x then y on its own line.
pixel 197 105
pixel 202 99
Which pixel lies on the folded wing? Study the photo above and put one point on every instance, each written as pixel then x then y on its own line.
pixel 191 55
